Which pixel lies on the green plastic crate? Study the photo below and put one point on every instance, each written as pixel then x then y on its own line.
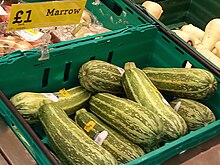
pixel 152 48
pixel 199 13
pixel 177 13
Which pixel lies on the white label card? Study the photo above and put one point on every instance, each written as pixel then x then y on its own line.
pixel 177 106
pixel 29 35
pixel 100 137
pixel 121 70
pixel 51 96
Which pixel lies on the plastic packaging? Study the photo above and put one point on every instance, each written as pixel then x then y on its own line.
pixel 12 43
pixel 9 2
pixel 4 17
pixel 42 37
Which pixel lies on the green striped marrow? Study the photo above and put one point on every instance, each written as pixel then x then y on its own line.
pixel 139 88
pixel 194 113
pixel 129 118
pixel 28 103
pixel 69 142
pixel 191 83
pixel 100 76
pixel 120 147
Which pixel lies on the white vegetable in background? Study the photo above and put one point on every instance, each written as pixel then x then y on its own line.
pixel 153 8
pixel 193 30
pixel 212 35
pixel 86 16
pixel 190 39
pixel 210 56
pixel 205 42
pixel 217 47
pixel 214 51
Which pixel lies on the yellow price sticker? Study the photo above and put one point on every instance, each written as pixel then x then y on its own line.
pixel 32 31
pixel 64 92
pixel 45 14
pixel 89 126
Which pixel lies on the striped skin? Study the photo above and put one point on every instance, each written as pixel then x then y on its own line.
pixel 120 147
pixel 139 88
pixel 100 76
pixel 129 118
pixel 194 113
pixel 69 142
pixel 79 98
pixel 191 83
pixel 28 103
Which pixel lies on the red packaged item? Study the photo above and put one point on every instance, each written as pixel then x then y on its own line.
pixel 4 17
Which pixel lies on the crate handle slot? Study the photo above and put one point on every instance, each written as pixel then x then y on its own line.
pixel 129 10
pixel 38 65
pixel 110 55
pixel 165 39
pixel 92 58
pixel 67 71
pixel 45 77
pixel 113 6
pixel 140 19
pixel 179 50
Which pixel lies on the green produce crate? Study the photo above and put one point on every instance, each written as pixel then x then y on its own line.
pixel 112 14
pixel 199 13
pixel 177 13
pixel 145 45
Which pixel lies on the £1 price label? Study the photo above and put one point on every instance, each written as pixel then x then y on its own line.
pixel 45 14
pixel 22 17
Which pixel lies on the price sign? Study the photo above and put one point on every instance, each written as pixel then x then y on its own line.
pixel 18 19
pixel 45 14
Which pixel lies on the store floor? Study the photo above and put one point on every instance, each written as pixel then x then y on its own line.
pixel 207 153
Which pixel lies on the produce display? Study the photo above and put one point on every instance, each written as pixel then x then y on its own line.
pixel 194 113
pixel 120 147
pixel 69 142
pixel 99 76
pixel 193 83
pixel 154 8
pixel 138 87
pixel 132 123
pixel 206 42
pixel 132 120
pixel 28 103
pixel 114 114
pixel 37 37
